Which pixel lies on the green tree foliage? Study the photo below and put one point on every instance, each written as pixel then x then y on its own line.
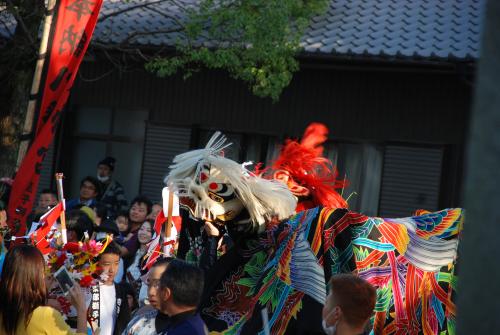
pixel 254 40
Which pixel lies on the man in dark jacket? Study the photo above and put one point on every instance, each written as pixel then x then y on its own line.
pixel 181 289
pixel 113 195
pixel 89 191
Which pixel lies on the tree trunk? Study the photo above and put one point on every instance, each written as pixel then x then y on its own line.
pixel 12 121
pixel 17 65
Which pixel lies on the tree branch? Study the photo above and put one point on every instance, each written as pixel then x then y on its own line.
pixel 107 73
pixel 122 46
pixel 168 16
pixel 146 33
pixel 118 12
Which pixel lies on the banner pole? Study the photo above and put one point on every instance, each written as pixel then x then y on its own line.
pixel 29 119
pixel 60 193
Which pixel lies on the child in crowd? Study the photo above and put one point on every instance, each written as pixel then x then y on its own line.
pixel 109 310
pixel 181 289
pixel 77 224
pixel 123 228
pixel 107 227
pixel 46 201
pixel 100 213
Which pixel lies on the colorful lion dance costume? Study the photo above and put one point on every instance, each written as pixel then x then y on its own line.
pixel 281 261
pixel 311 177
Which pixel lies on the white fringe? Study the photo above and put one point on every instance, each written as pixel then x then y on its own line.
pixel 264 199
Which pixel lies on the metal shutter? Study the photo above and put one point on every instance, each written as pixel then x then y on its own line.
pixel 161 146
pixel 411 180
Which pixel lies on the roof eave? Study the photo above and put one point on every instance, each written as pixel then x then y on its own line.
pixel 344 60
pixel 383 61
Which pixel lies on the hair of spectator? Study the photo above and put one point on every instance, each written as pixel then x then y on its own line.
pixel 101 210
pixel 355 296
pixel 49 191
pixel 162 261
pixel 129 290
pixel 122 213
pixel 112 248
pixel 151 222
pixel 94 182
pixel 185 282
pixel 22 286
pixel 79 222
pixel 142 199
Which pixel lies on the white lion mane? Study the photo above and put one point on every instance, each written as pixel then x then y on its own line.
pixel 264 199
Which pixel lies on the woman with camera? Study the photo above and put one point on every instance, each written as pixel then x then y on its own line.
pixel 24 296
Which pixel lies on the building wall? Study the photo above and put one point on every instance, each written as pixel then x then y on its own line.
pixel 376 119
pixel 379 106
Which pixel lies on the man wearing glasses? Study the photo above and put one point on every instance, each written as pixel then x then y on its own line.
pixel 89 191
pixel 150 320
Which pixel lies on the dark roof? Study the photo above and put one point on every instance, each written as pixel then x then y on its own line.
pixel 439 29
pixel 137 23
pixel 405 29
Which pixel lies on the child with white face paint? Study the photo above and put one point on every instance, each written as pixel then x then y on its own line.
pixel 348 306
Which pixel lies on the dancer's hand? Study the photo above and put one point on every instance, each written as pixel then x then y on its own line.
pixel 210 229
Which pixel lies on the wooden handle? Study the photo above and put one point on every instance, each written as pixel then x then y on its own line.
pixel 60 194
pixel 168 226
pixel 60 191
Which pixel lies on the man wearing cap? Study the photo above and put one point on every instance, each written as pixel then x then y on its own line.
pixel 113 195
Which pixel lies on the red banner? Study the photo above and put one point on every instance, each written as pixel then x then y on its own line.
pixel 161 219
pixel 46 223
pixel 73 24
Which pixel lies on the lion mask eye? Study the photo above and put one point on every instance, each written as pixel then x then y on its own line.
pixel 215 197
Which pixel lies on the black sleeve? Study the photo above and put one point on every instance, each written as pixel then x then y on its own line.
pixel 123 317
pixel 209 254
pixel 183 247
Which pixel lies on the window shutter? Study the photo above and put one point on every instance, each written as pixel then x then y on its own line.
pixel 411 180
pixel 162 144
pixel 47 174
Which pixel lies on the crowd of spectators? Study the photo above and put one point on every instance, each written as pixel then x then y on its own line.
pixel 128 299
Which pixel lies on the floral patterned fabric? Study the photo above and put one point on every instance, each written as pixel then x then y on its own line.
pixel 286 268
